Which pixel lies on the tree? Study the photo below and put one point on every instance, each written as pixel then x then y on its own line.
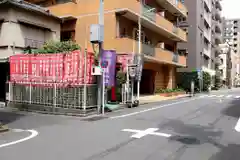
pixel 56 47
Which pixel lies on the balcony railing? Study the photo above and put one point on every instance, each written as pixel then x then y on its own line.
pixel 127 45
pixel 149 12
pixel 208 4
pixel 207 17
pixel 207 52
pixel 33 43
pixel 175 57
pixel 160 24
pixel 207 34
pixel 176 4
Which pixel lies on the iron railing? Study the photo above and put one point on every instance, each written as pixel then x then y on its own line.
pixel 54 96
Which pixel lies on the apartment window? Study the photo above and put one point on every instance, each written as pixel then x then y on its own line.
pixel 144 38
pixel 67 35
pixel 123 32
pixel 221 61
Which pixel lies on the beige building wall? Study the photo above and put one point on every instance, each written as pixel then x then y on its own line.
pixel 21 28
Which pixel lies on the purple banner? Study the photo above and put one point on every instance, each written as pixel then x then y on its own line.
pixel 108 62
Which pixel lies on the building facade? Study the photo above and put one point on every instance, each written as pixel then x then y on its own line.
pixel 159 34
pixel 204 34
pixel 23 24
pixel 231 37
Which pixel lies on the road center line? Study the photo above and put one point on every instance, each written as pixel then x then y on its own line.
pixel 154 108
pixel 33 134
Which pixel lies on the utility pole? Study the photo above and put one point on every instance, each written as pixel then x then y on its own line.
pixel 100 78
pixel 139 45
pixel 229 68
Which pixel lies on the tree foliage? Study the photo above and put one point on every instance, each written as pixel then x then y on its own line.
pixel 185 78
pixel 55 47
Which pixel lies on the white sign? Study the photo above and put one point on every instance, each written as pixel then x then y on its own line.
pixel 149 131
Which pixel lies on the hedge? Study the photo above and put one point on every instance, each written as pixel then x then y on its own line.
pixel 184 81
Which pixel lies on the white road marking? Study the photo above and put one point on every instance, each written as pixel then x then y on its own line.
pixel 220 96
pixel 203 96
pixel 237 127
pixel 228 96
pixel 237 97
pixel 33 134
pixel 151 109
pixel 212 96
pixel 149 131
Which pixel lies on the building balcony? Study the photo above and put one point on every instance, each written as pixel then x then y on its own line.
pixel 218 15
pixel 207 34
pixel 218 5
pixel 207 52
pixel 208 5
pixel 207 18
pixel 151 53
pixel 218 51
pixel 218 28
pixel 218 39
pixel 149 19
pixel 174 6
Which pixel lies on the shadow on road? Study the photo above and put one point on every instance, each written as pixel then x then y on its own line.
pixel 191 134
pixel 198 135
pixel 233 109
pixel 229 152
pixel 9 117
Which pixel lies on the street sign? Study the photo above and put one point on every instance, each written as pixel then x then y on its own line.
pixel 138 59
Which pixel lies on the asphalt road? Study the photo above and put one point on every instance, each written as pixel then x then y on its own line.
pixel 199 128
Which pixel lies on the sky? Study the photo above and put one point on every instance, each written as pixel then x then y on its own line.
pixel 231 8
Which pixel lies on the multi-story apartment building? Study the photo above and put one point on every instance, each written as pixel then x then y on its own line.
pixel 231 36
pixel 160 33
pixel 204 33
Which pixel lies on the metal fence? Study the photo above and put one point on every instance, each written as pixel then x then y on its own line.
pixel 55 96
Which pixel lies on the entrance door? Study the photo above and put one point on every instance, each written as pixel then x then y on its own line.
pixel 147 82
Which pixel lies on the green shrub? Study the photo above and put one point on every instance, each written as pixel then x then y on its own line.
pixel 160 90
pixel 55 47
pixel 120 80
pixel 184 81
pixel 206 81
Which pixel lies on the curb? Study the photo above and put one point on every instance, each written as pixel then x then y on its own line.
pixel 183 96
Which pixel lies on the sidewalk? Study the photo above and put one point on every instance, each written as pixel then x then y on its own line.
pixel 157 98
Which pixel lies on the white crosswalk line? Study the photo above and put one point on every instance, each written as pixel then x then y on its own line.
pixel 202 96
pixel 220 96
pixel 228 96
pixel 237 97
pixel 212 96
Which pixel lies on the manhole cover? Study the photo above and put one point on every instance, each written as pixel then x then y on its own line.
pixel 96 118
